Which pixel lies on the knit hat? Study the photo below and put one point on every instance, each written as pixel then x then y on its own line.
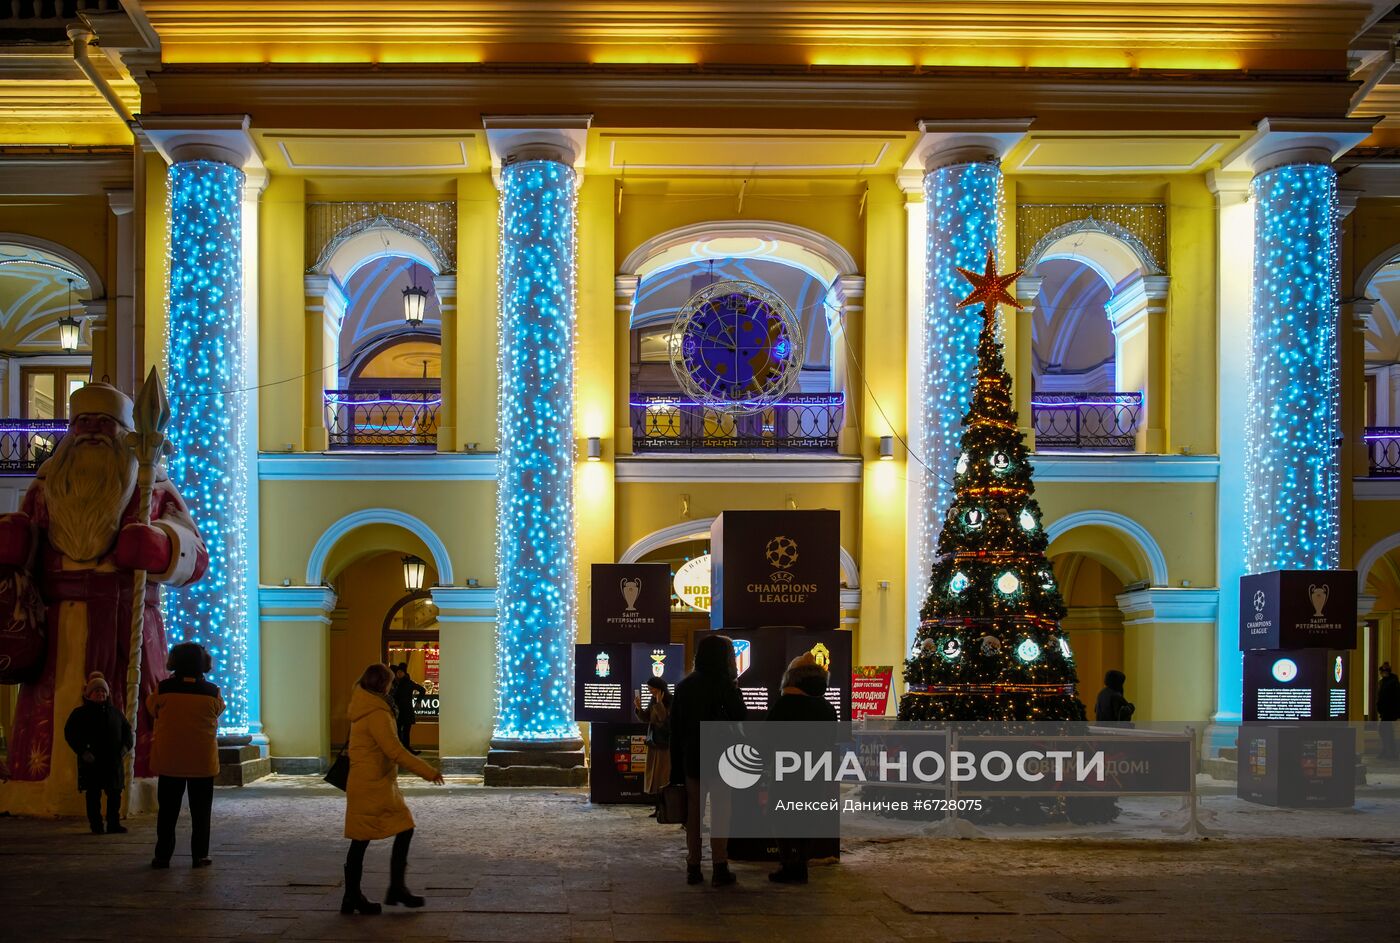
pixel 96 680
pixel 805 672
pixel 105 399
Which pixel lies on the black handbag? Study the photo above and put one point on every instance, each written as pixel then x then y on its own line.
pixel 672 807
pixel 339 773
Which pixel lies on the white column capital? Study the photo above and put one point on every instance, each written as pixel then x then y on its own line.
pixel 1280 141
pixel 1364 604
pixel 465 603
pixel 121 202
pixel 446 287
pixel 1229 187
pixel 331 296
pixel 851 290
pixel 1028 288
pixel 562 138
pixel 1169 604
pixel 296 604
pixel 953 141
pixel 221 138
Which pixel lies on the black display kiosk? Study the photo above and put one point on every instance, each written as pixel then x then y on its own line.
pixel 631 629
pixel 776 591
pixel 1297 628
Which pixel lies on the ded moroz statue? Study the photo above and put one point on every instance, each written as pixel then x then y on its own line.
pixel 79 537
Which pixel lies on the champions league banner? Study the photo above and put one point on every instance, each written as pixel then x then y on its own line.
pixel 631 602
pixel 776 568
pixel 1298 609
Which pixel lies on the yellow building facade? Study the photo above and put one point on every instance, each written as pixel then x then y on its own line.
pixel 775 143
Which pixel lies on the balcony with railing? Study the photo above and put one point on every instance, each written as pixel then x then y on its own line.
pixel 25 443
pixel 1086 422
pixel 802 422
pixel 1383 447
pixel 399 419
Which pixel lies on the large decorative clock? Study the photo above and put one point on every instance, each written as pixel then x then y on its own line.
pixel 736 346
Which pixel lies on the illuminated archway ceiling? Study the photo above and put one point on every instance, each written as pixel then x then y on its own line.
pixel 1172 34
pixel 34 295
pixel 1070 327
pixel 374 303
pixel 1383 333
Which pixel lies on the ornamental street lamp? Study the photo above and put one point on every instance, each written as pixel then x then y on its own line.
pixel 414 572
pixel 69 327
pixel 415 300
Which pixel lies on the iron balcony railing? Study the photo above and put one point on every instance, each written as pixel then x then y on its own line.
pixel 25 443
pixel 802 422
pixel 1093 422
pixel 405 418
pixel 1383 445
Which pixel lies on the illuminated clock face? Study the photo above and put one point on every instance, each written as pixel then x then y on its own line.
pixel 738 346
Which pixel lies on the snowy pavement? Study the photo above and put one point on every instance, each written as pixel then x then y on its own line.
pixel 524 865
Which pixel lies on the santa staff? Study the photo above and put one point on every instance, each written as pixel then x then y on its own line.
pixel 84 509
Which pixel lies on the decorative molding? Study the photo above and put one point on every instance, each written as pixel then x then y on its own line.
pixel 296 604
pixel 536 137
pixel 1376 489
pixel 377 466
pixel 1156 560
pixel 441 261
pixel 659 468
pixel 1132 467
pixel 89 273
pixel 1372 556
pixel 824 247
pixel 1167 604
pixel 316 564
pixel 224 139
pixel 465 603
pixel 1090 223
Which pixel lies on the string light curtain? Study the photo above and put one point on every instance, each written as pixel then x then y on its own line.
pixel 1292 418
pixel 962 203
pixel 208 426
pixel 535 575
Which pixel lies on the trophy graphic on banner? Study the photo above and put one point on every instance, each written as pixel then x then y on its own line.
pixel 1318 595
pixel 631 589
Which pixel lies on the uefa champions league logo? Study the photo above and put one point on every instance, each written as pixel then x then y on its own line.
pixel 781 554
pixel 1259 601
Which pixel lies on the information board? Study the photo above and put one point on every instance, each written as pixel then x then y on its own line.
pixel 775 568
pixel 607 676
pixel 1295 685
pixel 1298 609
pixel 631 602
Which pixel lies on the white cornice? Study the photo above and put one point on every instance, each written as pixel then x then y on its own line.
pixel 1166 604
pixel 295 603
pixel 367 466
pixel 1050 467
pixel 961 141
pixel 1279 141
pixel 221 138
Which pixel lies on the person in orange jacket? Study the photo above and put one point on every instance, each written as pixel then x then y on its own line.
pixel 185 750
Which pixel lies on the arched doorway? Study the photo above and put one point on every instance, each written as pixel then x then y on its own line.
pixel 412 638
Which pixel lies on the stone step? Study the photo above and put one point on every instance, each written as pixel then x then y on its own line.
pixel 244 772
pixel 522 775
pixel 555 758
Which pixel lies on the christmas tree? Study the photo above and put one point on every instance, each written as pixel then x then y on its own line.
pixel 989 645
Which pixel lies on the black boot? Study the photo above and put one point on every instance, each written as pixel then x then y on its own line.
pixel 722 876
pixel 693 874
pixel 354 901
pixel 398 892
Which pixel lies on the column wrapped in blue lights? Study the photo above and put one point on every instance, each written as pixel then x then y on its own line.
pixel 205 346
pixel 962 205
pixel 1293 415
pixel 535 569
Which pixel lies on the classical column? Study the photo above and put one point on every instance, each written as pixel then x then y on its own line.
pixel 1165 628
pixel 121 336
pixel 446 288
pixel 536 592
pixel 325 312
pixel 1138 314
pixel 294 622
pixel 209 359
pixel 624 297
pixel 1023 386
pixel 467 646
pixel 1277 497
pixel 962 186
pixel 850 293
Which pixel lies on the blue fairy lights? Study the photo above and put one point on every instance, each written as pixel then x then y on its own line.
pixel 209 421
pixel 1292 418
pixel 535 568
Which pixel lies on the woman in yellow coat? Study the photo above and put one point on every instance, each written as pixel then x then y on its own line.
pixel 374 807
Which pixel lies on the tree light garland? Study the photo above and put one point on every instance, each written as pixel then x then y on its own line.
pixel 1292 417
pixel 535 578
pixel 211 464
pixel 962 202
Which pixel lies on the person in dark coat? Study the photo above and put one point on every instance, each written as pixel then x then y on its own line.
pixel 100 735
pixel 1388 710
pixel 803 699
pixel 709 693
pixel 402 691
pixel 1112 706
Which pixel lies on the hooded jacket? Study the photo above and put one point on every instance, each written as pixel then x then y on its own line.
pixel 1111 706
pixel 186 715
pixel 374 807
